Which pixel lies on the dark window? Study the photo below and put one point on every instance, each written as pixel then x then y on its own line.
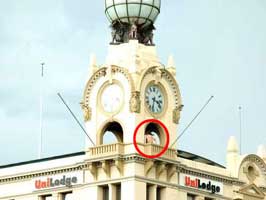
pixel 118 192
pixel 147 192
pixel 105 192
pixel 191 197
pixel 46 197
pixel 67 196
pixel 158 193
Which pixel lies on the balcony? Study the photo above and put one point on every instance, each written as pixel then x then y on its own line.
pixel 110 150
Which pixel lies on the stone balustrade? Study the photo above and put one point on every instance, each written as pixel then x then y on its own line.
pixel 120 149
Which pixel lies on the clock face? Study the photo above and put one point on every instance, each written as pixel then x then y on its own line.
pixel 112 98
pixel 154 99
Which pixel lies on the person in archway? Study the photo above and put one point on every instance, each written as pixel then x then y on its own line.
pixel 149 138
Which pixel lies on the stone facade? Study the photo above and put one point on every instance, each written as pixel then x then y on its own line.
pixel 117 171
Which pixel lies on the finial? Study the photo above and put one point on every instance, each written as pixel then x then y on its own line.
pixel 262 152
pixel 93 63
pixel 171 65
pixel 232 146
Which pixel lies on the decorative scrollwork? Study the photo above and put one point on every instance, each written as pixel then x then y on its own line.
pixel 92 81
pixel 252 158
pixel 176 114
pixel 164 73
pixel 135 102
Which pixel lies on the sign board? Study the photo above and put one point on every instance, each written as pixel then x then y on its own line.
pixel 203 184
pixel 61 180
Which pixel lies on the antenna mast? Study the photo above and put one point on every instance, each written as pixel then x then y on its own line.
pixel 41 111
pixel 191 122
pixel 76 119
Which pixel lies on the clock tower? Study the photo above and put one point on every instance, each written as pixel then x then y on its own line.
pixel 133 85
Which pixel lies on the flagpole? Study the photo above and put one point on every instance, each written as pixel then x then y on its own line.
pixel 41 112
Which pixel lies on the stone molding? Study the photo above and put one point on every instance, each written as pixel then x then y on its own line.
pixel 252 158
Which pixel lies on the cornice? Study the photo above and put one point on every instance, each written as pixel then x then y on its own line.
pixel 28 176
pixel 209 175
pixel 130 158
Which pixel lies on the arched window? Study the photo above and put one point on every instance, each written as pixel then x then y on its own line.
pixel 112 133
pixel 154 134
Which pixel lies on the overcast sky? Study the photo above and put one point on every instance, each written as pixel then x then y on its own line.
pixel 219 48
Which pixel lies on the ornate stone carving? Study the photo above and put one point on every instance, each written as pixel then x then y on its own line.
pixel 119 166
pixel 133 33
pixel 252 192
pixel 135 102
pixel 94 78
pixel 123 32
pixel 176 114
pixel 252 158
pixel 148 166
pixel 106 167
pixel 93 169
pixel 160 169
pixel 171 170
pixel 119 32
pixel 168 77
pixel 102 73
pixel 251 172
pixel 146 36
pixel 86 112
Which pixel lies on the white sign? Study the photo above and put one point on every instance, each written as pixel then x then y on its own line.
pixel 62 180
pixel 203 184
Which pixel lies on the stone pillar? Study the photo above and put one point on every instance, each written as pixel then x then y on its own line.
pixel 112 192
pixel 172 194
pixel 56 196
pixel 133 190
pixel 199 198
pixel 151 189
pixel 182 195
pixel 99 193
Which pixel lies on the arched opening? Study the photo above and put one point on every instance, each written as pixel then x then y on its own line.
pixel 154 134
pixel 112 133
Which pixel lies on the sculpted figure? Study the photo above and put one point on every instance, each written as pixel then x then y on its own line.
pixel 86 112
pixel 133 33
pixel 176 115
pixel 135 102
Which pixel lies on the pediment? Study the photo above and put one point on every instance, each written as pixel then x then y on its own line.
pixel 252 190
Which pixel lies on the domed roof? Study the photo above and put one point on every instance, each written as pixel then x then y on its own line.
pixel 139 12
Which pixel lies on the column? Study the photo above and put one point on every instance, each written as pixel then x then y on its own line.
pixel 199 198
pixel 151 189
pixel 55 196
pixel 172 194
pixel 133 190
pixel 112 192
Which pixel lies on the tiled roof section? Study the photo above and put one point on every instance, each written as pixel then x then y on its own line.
pixel 43 159
pixel 196 158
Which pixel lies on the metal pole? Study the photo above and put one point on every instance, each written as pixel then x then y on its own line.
pixel 73 115
pixel 196 116
pixel 41 111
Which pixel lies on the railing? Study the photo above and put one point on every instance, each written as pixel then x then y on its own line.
pixel 153 149
pixel 120 148
pixel 105 150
